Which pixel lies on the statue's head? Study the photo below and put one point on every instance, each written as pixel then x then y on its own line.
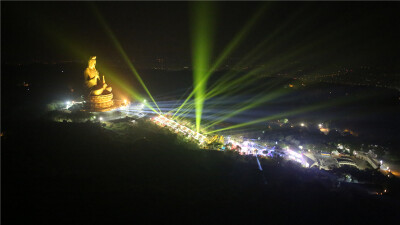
pixel 92 62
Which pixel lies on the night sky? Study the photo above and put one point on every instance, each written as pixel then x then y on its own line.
pixel 339 32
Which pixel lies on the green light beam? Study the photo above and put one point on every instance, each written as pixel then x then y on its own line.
pixel 253 54
pixel 261 96
pixel 237 39
pixel 335 102
pixel 177 102
pixel 254 104
pixel 228 50
pixel 202 20
pixel 247 78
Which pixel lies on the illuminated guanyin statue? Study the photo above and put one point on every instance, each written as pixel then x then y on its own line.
pixel 92 79
pixel 100 97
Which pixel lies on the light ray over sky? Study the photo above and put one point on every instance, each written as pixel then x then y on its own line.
pixel 201 49
pixel 122 52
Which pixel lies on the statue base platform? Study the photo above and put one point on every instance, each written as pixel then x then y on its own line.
pixel 100 103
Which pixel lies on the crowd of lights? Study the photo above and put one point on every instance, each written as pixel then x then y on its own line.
pixel 298 157
pixel 181 129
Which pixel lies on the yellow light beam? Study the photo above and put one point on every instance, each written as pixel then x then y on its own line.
pixel 117 44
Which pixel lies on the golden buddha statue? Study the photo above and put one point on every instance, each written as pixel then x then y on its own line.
pixel 92 79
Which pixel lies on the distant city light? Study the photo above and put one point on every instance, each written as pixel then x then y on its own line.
pixel 302 124
pixel 319 125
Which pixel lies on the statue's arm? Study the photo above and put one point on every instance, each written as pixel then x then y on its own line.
pixel 90 79
pixel 90 76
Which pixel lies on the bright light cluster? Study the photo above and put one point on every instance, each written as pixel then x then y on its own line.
pixel 247 147
pixel 69 104
pixel 124 105
pixel 298 157
pixel 164 121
